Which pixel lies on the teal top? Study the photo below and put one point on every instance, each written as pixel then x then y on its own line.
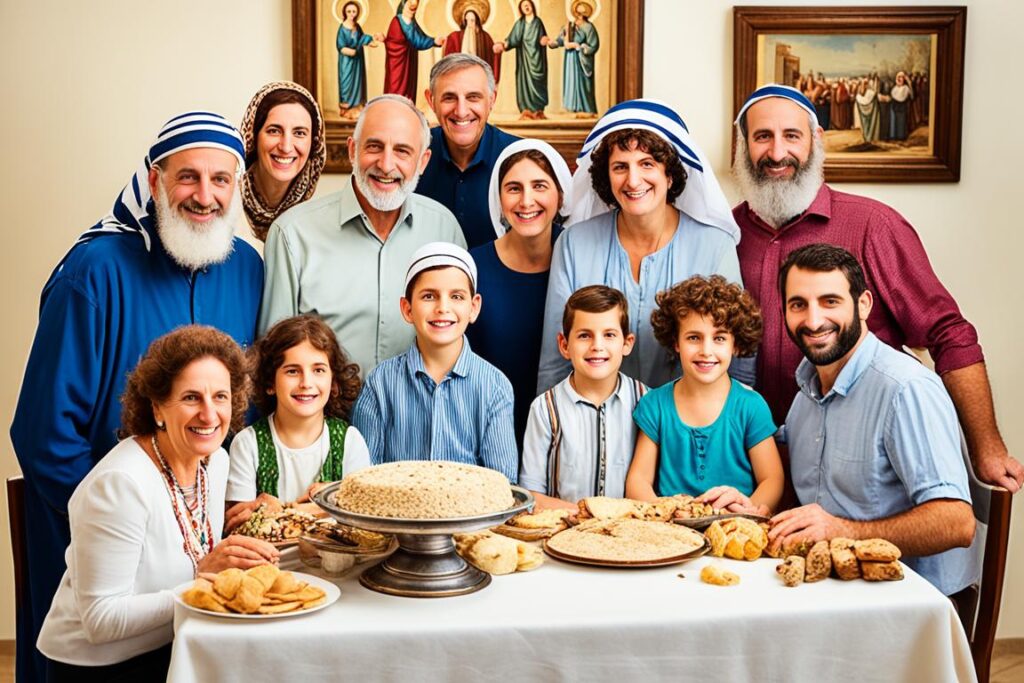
pixel 691 460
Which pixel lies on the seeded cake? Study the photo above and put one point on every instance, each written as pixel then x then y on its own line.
pixel 415 489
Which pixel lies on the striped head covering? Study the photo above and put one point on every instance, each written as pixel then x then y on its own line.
pixel 304 184
pixel 562 176
pixel 776 90
pixel 701 200
pixel 133 210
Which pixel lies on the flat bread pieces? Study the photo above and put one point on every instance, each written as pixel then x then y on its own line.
pixel 660 509
pixel 260 590
pixel 625 541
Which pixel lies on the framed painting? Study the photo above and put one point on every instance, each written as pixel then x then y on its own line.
pixel 886 83
pixel 348 51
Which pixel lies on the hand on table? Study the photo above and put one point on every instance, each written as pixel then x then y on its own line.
pixel 238 551
pixel 730 499
pixel 806 523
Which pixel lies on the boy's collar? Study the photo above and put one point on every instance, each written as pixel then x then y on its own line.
pixel 460 369
pixel 577 397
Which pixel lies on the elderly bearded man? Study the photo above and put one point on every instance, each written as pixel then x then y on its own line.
pixel 464 146
pixel 873 437
pixel 344 256
pixel 779 168
pixel 165 256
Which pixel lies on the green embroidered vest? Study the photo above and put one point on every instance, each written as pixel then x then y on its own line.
pixel 267 472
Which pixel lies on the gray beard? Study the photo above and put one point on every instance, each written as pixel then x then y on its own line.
pixel 777 200
pixel 384 201
pixel 191 245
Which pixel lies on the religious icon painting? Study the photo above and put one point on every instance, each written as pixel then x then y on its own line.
pixel 886 83
pixel 558 64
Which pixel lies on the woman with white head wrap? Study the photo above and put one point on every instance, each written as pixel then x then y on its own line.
pixel 527 190
pixel 668 220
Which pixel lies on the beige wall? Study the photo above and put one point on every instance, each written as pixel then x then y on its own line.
pixel 86 85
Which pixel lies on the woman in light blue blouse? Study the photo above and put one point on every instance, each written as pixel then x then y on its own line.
pixel 668 220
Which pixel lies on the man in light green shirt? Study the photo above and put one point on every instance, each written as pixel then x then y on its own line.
pixel 344 256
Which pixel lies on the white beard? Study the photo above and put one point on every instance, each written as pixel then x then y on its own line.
pixel 778 200
pixel 383 201
pixel 193 245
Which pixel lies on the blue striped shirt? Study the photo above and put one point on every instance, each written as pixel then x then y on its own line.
pixel 405 415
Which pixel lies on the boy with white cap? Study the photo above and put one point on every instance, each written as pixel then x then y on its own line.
pixel 439 400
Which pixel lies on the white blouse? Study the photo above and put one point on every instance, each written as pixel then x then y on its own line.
pixel 297 468
pixel 126 553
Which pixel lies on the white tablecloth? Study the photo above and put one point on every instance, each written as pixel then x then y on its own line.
pixel 565 622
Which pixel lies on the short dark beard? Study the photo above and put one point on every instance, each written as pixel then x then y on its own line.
pixel 848 337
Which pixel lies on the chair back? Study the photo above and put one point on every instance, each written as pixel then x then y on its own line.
pixel 991 508
pixel 16 516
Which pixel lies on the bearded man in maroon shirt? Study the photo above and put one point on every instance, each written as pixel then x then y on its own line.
pixel 779 165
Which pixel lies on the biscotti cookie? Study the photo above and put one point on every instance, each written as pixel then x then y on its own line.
pixel 819 562
pixel 876 550
pixel 792 570
pixel 881 571
pixel 844 561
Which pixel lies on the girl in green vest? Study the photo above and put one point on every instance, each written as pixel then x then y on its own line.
pixel 304 388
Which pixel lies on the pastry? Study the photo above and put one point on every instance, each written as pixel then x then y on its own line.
pixel 819 562
pixel 844 561
pixel 792 570
pixel 876 550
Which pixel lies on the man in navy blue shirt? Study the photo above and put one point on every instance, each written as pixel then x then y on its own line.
pixel 464 147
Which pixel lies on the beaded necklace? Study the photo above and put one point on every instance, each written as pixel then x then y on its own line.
pixel 194 525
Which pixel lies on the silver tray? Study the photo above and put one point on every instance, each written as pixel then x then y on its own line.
pixel 701 523
pixel 425 564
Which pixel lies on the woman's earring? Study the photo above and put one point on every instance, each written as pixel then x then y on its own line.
pixel 161 425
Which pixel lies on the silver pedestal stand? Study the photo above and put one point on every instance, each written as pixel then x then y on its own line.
pixel 425 564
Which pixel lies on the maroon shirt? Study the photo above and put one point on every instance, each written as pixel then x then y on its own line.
pixel 911 306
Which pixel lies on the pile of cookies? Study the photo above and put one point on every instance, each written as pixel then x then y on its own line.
pixel 737 538
pixel 874 559
pixel 661 509
pixel 496 554
pixel 261 590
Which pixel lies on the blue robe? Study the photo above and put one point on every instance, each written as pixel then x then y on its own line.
pixel 578 71
pixel 352 70
pixel 99 311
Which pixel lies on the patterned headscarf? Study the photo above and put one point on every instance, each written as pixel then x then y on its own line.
pixel 562 176
pixel 702 198
pixel 134 210
pixel 303 185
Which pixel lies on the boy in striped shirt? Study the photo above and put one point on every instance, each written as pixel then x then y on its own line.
pixel 439 400
pixel 580 434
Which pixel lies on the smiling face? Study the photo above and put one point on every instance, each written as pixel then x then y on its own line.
pixel 779 138
pixel 596 344
pixel 705 349
pixel 821 315
pixel 283 143
pixel 462 101
pixel 441 307
pixel 388 157
pixel 529 198
pixel 197 413
pixel 199 183
pixel 638 180
pixel 303 383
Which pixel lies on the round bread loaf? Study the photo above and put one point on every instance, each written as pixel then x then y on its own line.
pixel 416 489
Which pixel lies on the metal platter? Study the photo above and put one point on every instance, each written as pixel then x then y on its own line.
pixel 425 564
pixel 627 564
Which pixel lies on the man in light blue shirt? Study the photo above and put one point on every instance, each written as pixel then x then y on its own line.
pixel 874 442
pixel 344 256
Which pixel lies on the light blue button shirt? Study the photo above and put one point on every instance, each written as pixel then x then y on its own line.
pixel 590 253
pixel 884 440
pixel 324 257
pixel 403 414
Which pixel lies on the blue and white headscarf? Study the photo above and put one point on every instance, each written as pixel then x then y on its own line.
pixel 133 210
pixel 783 91
pixel 702 199
pixel 562 175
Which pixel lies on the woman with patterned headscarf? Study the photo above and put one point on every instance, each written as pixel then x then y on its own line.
pixel 285 151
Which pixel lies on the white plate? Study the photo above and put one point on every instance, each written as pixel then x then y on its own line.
pixel 332 591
